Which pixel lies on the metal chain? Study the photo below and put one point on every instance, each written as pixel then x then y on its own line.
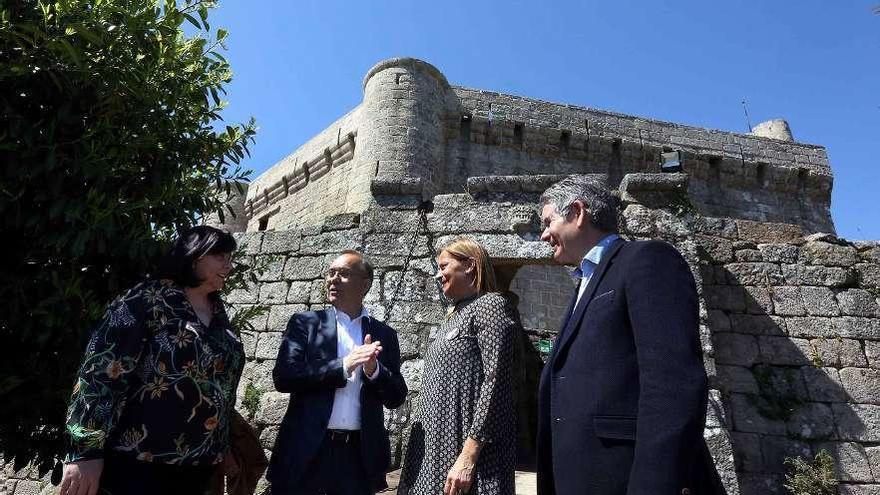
pixel 430 241
pixel 406 262
pixel 422 225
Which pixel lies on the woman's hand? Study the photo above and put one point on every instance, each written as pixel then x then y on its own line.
pixel 82 477
pixel 230 466
pixel 461 475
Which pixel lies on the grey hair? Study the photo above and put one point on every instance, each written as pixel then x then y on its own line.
pixel 602 206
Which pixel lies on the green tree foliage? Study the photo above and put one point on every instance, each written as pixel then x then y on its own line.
pixel 109 143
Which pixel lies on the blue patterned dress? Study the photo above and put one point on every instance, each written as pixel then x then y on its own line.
pixel 467 391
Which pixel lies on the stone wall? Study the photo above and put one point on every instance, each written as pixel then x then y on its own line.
pixel 544 293
pixel 326 189
pixel 790 327
pixel 418 135
pixel 789 323
pixel 25 481
pixel 795 330
pixel 320 179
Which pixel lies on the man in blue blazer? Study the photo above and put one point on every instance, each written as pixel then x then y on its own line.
pixel 341 366
pixel 622 397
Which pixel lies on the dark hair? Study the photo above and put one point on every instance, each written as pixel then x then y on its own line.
pixel 190 245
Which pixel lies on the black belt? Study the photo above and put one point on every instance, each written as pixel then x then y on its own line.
pixel 344 436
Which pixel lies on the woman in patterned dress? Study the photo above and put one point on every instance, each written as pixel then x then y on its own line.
pixel 153 397
pixel 463 438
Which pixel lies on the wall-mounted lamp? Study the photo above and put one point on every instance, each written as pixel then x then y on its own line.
pixel 670 162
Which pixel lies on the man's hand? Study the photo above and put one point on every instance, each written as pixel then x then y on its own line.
pixel 370 365
pixel 81 477
pixel 362 355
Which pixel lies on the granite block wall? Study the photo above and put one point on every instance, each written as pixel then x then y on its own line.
pixel 789 323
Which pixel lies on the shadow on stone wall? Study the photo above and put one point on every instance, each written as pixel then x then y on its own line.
pixel 792 378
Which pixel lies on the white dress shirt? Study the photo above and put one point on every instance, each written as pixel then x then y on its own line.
pixel 346 414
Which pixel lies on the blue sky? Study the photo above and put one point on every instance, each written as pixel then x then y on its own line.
pixel 299 65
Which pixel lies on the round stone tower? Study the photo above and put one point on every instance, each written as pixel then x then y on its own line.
pixel 401 132
pixel 773 129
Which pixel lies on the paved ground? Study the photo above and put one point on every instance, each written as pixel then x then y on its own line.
pixel 525 483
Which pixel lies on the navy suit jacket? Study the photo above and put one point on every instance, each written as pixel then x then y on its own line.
pixel 622 397
pixel 309 368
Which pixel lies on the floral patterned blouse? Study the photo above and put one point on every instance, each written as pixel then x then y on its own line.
pixel 156 384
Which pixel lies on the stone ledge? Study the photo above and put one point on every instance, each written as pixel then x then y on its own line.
pixel 400 186
pixel 769 232
pixel 653 182
pixel 656 190
pixel 516 183
pixel 341 221
pixel 508 247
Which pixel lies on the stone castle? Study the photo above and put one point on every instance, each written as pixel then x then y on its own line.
pixel 416 135
pixel 790 322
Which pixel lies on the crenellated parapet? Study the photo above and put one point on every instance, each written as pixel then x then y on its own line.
pixel 301 175
pixel 763 176
pixel 313 182
pixel 416 135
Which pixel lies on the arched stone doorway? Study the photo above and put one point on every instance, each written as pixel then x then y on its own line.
pixel 541 295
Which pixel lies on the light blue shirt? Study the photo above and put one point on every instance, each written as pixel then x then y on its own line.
pixel 588 265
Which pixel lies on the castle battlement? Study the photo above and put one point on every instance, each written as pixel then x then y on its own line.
pixel 416 134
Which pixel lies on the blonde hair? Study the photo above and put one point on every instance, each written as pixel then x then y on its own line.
pixel 464 248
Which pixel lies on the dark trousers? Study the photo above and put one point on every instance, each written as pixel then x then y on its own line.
pixel 132 477
pixel 337 468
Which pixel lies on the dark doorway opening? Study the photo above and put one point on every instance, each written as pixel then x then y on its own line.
pixel 540 294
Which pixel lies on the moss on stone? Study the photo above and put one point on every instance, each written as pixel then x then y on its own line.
pixel 816 477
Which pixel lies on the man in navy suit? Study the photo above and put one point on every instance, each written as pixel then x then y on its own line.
pixel 622 397
pixel 341 366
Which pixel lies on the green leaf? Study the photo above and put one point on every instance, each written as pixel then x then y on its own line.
pixel 88 35
pixel 203 14
pixel 192 20
pixel 74 55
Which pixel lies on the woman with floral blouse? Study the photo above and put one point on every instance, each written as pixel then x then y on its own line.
pixel 152 401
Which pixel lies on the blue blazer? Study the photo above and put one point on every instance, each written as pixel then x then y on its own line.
pixel 622 397
pixel 309 368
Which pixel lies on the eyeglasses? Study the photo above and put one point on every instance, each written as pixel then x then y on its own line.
pixel 224 258
pixel 342 273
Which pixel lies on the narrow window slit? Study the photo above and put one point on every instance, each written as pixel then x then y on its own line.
pixel 464 130
pixel 518 134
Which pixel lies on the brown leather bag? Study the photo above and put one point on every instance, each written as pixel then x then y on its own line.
pixel 245 448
